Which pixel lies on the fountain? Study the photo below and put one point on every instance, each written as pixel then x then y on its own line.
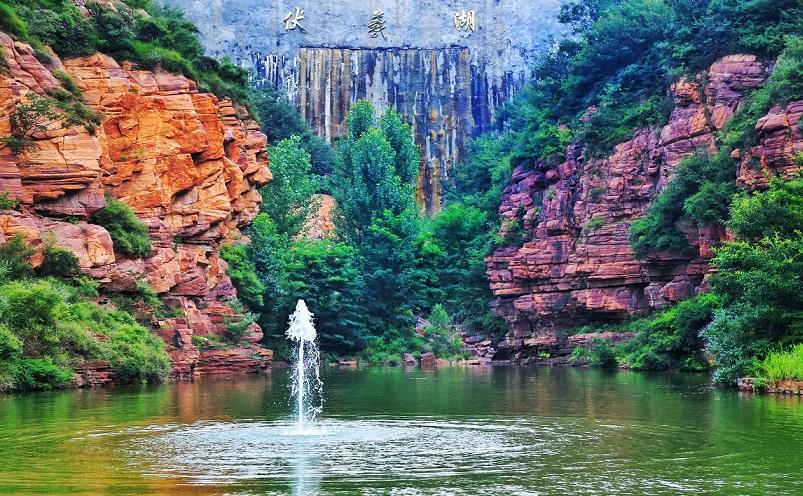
pixel 306 385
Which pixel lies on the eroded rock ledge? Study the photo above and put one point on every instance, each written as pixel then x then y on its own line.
pixel 578 266
pixel 187 163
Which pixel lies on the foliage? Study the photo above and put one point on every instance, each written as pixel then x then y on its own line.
pixel 464 234
pixel 7 203
pixel 27 119
pixel 759 280
pixel 324 273
pixel 601 353
pixel 58 262
pixel 280 121
pixel 287 199
pixel 782 364
pixel 672 339
pixel 129 234
pixel 48 327
pixel 593 224
pixel 442 337
pixel 15 258
pixel 237 323
pixel 243 274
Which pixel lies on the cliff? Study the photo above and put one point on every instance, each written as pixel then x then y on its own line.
pixel 577 266
pixel 186 163
pixel 447 80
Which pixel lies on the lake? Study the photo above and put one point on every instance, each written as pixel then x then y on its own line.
pixel 465 431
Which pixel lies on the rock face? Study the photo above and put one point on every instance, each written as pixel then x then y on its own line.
pixel 184 161
pixel 447 78
pixel 577 266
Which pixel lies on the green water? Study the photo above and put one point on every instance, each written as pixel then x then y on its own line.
pixel 465 431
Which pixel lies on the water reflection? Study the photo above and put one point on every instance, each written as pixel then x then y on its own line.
pixel 389 431
pixel 306 470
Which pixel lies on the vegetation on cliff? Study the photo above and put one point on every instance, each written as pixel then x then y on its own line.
pixel 50 324
pixel 154 37
pixel 609 79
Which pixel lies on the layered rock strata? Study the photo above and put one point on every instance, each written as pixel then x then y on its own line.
pixel 577 266
pixel 187 163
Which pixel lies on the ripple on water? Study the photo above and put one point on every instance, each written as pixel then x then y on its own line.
pixel 357 450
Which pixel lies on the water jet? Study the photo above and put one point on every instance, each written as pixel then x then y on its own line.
pixel 306 386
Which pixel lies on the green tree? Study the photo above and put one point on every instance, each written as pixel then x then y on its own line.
pixel 287 199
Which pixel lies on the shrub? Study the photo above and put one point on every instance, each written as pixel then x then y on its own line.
pixel 593 225
pixel 15 256
pixel 7 203
pixel 237 323
pixel 243 274
pixel 672 340
pixel 782 364
pixel 10 22
pixel 10 344
pixel 28 118
pixel 58 262
pixel 129 234
pixel 39 373
pixel 601 353
pixel 596 193
pixel 442 338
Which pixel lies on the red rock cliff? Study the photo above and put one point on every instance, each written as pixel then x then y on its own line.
pixel 184 161
pixel 578 266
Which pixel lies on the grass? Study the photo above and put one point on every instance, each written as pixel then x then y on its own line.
pixel 782 365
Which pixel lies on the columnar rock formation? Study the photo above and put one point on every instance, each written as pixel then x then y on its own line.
pixel 577 265
pixel 447 77
pixel 186 162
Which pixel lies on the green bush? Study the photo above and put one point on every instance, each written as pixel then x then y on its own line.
pixel 781 365
pixel 601 353
pixel 48 327
pixel 442 337
pixel 237 323
pixel 38 373
pixel 129 234
pixel 58 262
pixel 243 274
pixel 15 258
pixel 672 339
pixel 7 203
pixel 593 225
pixel 759 280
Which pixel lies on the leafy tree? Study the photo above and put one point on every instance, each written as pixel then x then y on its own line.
pixel 280 121
pixel 326 275
pixel 759 280
pixel 243 273
pixel 27 119
pixel 287 199
pixel 371 175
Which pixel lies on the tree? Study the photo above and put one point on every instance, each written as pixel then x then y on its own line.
pixel 27 119
pixel 759 280
pixel 287 199
pixel 375 171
